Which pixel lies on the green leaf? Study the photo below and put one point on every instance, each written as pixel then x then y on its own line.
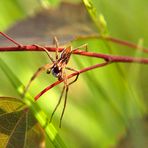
pixel 18 127
pixel 37 112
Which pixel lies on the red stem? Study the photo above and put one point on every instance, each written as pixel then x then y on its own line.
pixel 106 57
pixel 10 39
pixel 125 43
pixel 68 77
pixel 117 41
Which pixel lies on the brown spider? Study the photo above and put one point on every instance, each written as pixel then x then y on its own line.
pixel 57 68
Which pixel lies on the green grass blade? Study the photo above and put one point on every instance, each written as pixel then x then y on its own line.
pixel 98 18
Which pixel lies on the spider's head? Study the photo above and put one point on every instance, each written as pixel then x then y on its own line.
pixel 57 71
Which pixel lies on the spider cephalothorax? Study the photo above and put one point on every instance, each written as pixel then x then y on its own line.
pixel 57 72
pixel 60 64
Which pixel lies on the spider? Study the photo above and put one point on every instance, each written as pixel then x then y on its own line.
pixel 57 69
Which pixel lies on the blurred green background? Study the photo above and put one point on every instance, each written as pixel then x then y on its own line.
pixel 107 107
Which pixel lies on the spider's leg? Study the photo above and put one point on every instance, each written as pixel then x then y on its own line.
pixel 36 74
pixel 65 84
pixel 66 93
pixel 84 46
pixel 55 41
pixel 50 57
pixel 57 104
pixel 65 101
pixel 69 68
pixel 10 39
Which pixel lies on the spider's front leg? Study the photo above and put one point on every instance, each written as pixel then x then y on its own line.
pixel 36 74
pixel 40 70
pixel 55 41
pixel 84 46
pixel 50 57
